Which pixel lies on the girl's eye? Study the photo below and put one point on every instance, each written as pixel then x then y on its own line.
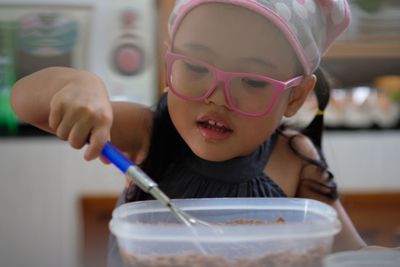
pixel 254 83
pixel 196 68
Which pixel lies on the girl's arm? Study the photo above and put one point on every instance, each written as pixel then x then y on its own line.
pixel 74 105
pixel 301 179
pixel 348 238
pixel 316 184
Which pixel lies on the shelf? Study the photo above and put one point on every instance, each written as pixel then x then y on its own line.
pixel 366 48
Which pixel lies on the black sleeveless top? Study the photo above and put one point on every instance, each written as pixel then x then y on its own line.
pixel 192 177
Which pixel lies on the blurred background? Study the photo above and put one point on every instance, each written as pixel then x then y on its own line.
pixel 55 207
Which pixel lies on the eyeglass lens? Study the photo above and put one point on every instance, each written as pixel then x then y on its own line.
pixel 194 80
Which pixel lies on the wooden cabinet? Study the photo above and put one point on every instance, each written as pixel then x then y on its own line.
pixel 164 9
pixel 375 215
pixel 96 214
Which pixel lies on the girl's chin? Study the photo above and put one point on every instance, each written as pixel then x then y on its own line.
pixel 210 155
pixel 217 153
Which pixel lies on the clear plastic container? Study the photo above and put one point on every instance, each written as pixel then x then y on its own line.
pixel 250 232
pixel 364 258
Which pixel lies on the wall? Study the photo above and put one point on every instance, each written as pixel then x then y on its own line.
pixel 364 161
pixel 42 179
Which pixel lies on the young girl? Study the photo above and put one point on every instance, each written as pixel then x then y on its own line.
pixel 235 68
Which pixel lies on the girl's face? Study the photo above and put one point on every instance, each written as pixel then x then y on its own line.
pixel 232 39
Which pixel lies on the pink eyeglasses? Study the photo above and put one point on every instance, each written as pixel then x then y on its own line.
pixel 248 94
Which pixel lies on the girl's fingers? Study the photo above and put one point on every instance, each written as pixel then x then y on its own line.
pixel 140 157
pixel 81 119
pixel 66 124
pixel 79 134
pixel 104 160
pixel 98 139
pixel 55 118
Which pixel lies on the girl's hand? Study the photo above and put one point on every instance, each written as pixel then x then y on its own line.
pixel 80 112
pixel 74 105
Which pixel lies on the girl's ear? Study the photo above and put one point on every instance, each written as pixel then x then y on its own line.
pixel 299 94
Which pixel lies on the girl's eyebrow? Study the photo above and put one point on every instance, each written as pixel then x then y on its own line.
pixel 198 48
pixel 259 61
pixel 247 60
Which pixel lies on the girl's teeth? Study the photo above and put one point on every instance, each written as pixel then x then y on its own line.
pixel 214 123
pixel 216 126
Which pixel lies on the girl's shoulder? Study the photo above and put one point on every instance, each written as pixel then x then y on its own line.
pixel 291 139
pixel 297 166
pixel 284 165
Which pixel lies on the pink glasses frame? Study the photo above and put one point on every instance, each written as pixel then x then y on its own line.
pixel 226 77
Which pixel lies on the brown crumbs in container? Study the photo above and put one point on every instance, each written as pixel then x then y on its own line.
pixel 252 221
pixel 310 258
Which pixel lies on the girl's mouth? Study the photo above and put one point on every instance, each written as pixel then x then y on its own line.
pixel 214 129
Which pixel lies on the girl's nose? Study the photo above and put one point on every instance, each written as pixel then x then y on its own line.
pixel 218 96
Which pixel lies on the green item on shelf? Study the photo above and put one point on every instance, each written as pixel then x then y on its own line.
pixel 8 119
pixel 7 54
pixel 394 96
pixel 7 75
pixel 370 6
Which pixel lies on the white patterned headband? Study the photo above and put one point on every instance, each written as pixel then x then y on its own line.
pixel 310 26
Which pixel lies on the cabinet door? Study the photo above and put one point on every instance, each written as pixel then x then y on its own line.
pixel 96 214
pixel 376 216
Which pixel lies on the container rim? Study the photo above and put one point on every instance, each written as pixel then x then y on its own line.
pixel 329 224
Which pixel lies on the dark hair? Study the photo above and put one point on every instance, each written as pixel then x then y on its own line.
pixel 314 131
pixel 322 91
pixel 164 140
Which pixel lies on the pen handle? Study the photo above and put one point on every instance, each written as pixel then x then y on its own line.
pixel 115 156
pixel 112 154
